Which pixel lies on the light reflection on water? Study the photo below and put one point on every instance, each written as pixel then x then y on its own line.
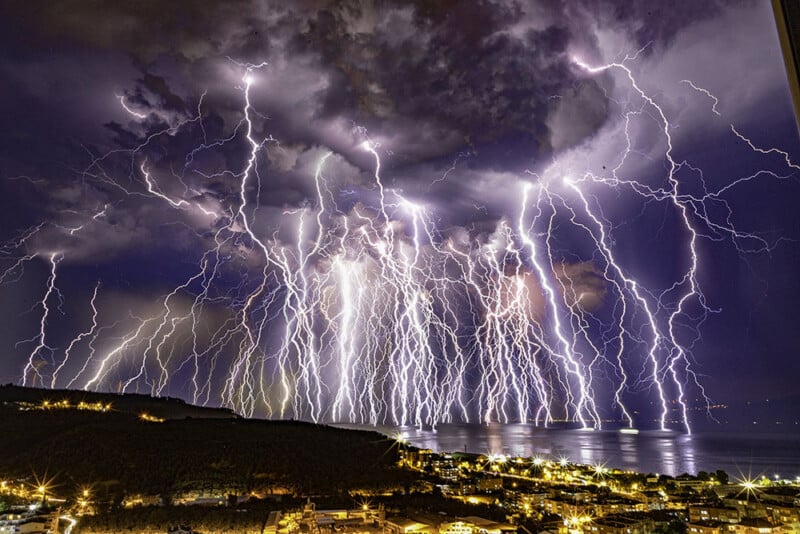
pixel 649 451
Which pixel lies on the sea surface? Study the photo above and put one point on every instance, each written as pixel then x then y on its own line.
pixel 739 453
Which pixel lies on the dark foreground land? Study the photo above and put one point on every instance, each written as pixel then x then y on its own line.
pixel 181 447
pixel 98 464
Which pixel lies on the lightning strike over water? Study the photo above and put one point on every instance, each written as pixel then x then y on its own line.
pixel 360 307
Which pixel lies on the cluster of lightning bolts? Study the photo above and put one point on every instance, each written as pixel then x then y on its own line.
pixel 373 315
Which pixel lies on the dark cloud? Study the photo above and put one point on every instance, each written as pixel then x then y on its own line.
pixel 386 67
pixel 488 77
pixel 647 23
pixel 491 80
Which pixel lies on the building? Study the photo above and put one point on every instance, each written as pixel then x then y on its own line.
pixel 405 525
pixel 723 514
pixel 620 524
pixel 746 507
pixel 456 527
pixel 756 525
pixel 490 484
pixel 706 527
pixel 690 482
pixel 782 514
pixel 272 524
pixel 475 525
pixel 28 524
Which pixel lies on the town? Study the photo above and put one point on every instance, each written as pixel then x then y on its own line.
pixel 487 494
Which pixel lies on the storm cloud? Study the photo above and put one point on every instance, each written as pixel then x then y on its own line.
pixel 123 141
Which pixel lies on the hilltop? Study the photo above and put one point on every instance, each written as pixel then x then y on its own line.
pixel 162 407
pixel 108 444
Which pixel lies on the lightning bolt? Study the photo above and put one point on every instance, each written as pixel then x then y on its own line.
pixel 360 307
pixel 32 367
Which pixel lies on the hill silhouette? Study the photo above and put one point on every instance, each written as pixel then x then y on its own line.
pixel 163 407
pixel 191 449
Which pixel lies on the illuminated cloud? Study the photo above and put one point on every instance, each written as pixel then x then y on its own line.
pixel 125 152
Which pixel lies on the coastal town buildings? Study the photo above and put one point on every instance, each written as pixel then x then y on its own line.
pixel 525 495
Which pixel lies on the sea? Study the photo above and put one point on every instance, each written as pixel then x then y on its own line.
pixel 743 454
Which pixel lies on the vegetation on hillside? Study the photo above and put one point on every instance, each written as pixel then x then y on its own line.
pixel 119 455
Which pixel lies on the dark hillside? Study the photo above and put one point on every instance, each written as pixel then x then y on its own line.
pixel 119 450
pixel 164 407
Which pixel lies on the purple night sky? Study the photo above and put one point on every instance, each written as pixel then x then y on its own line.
pixel 226 266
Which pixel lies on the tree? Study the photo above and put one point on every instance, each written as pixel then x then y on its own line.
pixel 676 526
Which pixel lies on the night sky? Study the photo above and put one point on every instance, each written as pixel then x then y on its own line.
pixel 124 146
